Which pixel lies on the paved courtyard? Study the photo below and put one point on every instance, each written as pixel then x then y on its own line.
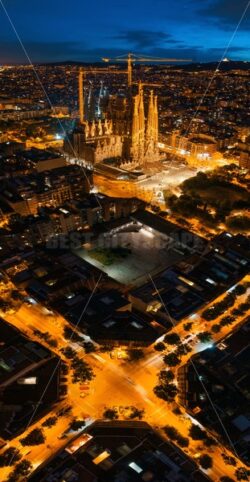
pixel 149 255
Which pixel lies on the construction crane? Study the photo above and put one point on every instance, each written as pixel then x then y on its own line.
pixel 81 81
pixel 81 95
pixel 102 70
pixel 148 84
pixel 130 58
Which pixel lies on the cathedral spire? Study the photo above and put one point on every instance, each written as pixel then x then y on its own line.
pixel 156 121
pixel 151 117
pixel 135 128
pixel 141 133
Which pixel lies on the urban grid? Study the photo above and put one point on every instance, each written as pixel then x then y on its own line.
pixel 124 241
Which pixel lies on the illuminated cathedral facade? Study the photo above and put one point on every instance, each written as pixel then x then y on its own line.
pixel 124 134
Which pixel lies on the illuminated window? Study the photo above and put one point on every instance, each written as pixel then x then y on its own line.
pixel 210 281
pixel 27 381
pixel 135 467
pixel 5 366
pixel 100 458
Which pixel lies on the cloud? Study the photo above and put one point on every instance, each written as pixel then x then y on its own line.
pixel 40 51
pixel 143 39
pixel 227 13
pixel 63 51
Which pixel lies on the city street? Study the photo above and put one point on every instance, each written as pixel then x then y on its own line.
pixel 117 383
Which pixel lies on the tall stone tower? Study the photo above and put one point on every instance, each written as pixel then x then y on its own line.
pixel 156 121
pixel 141 145
pixel 144 137
pixel 150 120
pixel 151 147
pixel 135 131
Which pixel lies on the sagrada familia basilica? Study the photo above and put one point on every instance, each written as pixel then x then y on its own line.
pixel 124 134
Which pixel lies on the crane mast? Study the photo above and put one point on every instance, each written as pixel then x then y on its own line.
pixel 81 78
pixel 130 58
pixel 129 70
pixel 81 95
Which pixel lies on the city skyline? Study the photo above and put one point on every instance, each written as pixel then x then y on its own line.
pixel 52 32
pixel 124 241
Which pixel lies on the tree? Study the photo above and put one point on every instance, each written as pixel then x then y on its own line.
pixel 70 334
pixel 159 346
pixel 135 354
pixel 171 432
pixel 175 435
pixel 204 337
pixel 35 437
pixel 183 350
pixel 106 348
pixel 77 425
pixel 52 342
pixel 171 391
pixel 227 320
pixel 172 339
pixel 171 360
pixel 210 314
pixel 238 223
pixel 81 371
pixel 136 413
pixel 219 308
pixel 10 457
pixel 196 433
pixel 15 295
pixel 64 411
pixel 242 474
pixel 206 461
pixel 240 290
pixel 187 326
pixel 4 306
pixel 64 368
pixel 183 441
pixel 110 413
pixel 166 376
pixel 209 441
pixel 24 467
pixel 216 328
pixel 235 312
pixel 89 347
pixel 49 422
pixel 177 410
pixel 229 460
pixel 21 470
pixel 244 306
pixel 68 352
pixel 166 392
pixel 13 477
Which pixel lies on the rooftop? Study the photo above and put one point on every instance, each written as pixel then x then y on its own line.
pixel 124 327
pixel 225 370
pixel 121 451
pixel 25 367
pixel 193 281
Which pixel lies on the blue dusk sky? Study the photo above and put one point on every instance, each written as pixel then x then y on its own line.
pixel 53 30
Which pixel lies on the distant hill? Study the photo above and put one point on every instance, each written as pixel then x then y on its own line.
pixel 225 66
pixel 72 62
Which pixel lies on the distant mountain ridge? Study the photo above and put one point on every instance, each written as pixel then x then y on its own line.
pixel 223 66
pixel 191 67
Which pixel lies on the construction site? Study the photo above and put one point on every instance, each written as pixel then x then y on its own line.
pixel 121 129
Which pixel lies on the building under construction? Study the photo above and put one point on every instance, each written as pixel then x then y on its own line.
pixel 121 133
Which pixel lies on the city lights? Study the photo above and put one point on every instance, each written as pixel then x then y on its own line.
pixel 124 242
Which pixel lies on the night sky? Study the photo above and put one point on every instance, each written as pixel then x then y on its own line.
pixel 55 30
